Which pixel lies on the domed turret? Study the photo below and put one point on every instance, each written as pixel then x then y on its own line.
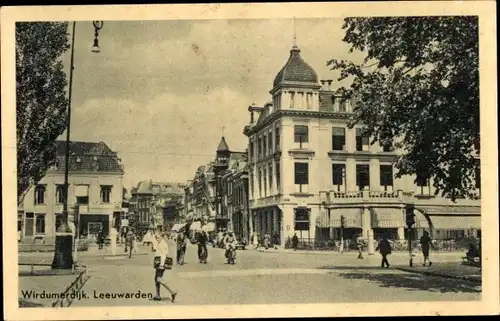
pixel 296 70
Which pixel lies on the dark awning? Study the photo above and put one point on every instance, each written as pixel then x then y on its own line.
pixel 332 219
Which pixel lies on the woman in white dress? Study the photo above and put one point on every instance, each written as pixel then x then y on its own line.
pixel 160 246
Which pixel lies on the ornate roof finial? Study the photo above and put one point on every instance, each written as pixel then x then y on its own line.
pixel 294 34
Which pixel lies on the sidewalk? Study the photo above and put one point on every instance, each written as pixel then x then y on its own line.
pixel 92 252
pixel 36 290
pixel 454 270
pixel 353 252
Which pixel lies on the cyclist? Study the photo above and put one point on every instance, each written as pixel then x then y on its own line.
pixel 230 243
pixel 202 238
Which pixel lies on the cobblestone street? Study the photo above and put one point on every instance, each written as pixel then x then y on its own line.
pixel 273 277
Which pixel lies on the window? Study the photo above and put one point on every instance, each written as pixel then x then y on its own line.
pixel 386 177
pixel 292 99
pixel 338 175
pixel 342 106
pixel 270 143
pixel 250 181
pixel 301 134
pixel 301 174
pixel 40 194
pixel 362 176
pixel 338 138
pixel 84 200
pixel 387 146
pixel 60 191
pixel 362 140
pixel 260 182
pixel 40 224
pixel 260 147
pixel 277 133
pixel 301 219
pixel 106 194
pixel 265 181
pixel 477 177
pixel 271 176
pixel 250 151
pixel 309 100
pixel 58 221
pixel 29 222
pixel 423 181
pixel 264 148
pixel 278 178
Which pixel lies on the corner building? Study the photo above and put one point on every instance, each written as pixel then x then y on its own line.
pixel 307 168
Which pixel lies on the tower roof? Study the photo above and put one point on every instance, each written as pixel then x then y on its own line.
pixel 223 145
pixel 296 70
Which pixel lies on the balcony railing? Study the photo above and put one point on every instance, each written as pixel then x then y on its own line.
pixel 383 194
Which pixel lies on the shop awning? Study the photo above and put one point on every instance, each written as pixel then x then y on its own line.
pixel 455 222
pixel 449 210
pixel 177 227
pixel 332 220
pixel 387 218
pixel 195 226
pixel 209 227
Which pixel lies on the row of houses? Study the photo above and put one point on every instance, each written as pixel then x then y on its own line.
pixel 96 187
pixel 304 168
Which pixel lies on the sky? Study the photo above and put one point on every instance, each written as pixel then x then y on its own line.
pixel 160 92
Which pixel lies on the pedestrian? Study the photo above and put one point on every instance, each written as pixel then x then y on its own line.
pixel 295 241
pixel 276 240
pixel 181 248
pixel 129 243
pixel 267 239
pixel 100 239
pixel 359 245
pixel 426 243
pixel 384 247
pixel 162 262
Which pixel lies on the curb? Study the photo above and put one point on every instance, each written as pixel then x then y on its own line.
pixel 443 275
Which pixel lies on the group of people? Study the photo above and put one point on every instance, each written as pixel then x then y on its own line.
pixel 267 241
pixel 202 239
pixel 384 248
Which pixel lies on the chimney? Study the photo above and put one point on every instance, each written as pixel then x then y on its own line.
pixel 329 84
pixel 322 84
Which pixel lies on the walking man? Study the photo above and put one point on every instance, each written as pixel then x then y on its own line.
pixel 295 241
pixel 360 244
pixel 426 243
pixel 385 249
pixel 129 243
pixel 181 248
pixel 161 247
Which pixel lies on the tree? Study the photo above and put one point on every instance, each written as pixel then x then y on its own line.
pixel 41 102
pixel 418 88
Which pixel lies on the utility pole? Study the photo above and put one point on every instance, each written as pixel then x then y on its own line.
pixel 342 224
pixel 410 221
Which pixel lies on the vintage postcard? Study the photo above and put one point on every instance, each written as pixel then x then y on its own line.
pixel 250 160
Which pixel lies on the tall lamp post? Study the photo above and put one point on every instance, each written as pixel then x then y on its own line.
pixel 63 252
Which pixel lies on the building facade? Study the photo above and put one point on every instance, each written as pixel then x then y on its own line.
pixel 235 199
pixel 150 198
pixel 307 168
pixel 95 184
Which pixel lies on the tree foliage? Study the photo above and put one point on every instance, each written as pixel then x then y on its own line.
pixel 419 86
pixel 41 103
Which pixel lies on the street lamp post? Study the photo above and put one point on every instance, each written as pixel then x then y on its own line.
pixel 63 252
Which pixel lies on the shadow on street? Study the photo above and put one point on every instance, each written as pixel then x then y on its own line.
pixel 409 281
